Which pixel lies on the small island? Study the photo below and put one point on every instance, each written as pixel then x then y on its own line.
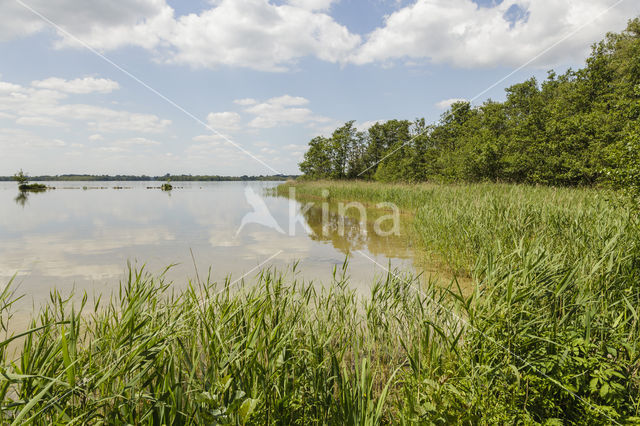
pixel 167 186
pixel 25 186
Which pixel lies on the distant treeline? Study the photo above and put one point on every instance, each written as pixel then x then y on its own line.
pixel 578 128
pixel 175 178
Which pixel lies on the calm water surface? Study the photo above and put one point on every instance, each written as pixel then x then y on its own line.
pixel 79 238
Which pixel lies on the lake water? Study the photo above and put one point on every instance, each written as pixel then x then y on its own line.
pixel 82 234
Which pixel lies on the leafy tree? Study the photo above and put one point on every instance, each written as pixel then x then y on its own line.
pixel 395 163
pixel 383 139
pixel 422 155
pixel 341 142
pixel 450 137
pixel 524 110
pixel 21 178
pixel 484 159
pixel 317 162
pixel 627 177
pixel 356 156
pixel 576 128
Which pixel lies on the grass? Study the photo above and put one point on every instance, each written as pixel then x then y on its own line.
pixel 463 224
pixel 554 265
pixel 549 333
pixel 276 351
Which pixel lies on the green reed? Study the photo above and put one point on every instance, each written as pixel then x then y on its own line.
pixel 556 275
pixel 549 333
pixel 276 351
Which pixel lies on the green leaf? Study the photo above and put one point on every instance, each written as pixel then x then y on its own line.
pixel 246 409
pixel 31 404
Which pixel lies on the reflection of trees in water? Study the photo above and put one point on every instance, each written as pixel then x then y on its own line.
pixel 22 199
pixel 358 234
pixel 23 196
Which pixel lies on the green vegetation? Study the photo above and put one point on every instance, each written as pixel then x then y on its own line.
pixel 548 333
pixel 21 178
pixel 460 224
pixel 280 351
pixel 167 185
pixel 552 333
pixel 552 319
pixel 578 128
pixel 555 298
pixel 25 186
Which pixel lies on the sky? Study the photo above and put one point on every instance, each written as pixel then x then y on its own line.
pixel 238 87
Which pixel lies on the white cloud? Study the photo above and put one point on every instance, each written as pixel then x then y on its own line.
pixel 8 87
pixel 16 141
pixel 96 137
pixel 281 111
pixel 210 139
pixel 102 24
pixel 214 150
pixel 128 145
pixel 78 86
pixel 295 147
pixel 446 103
pixel 44 107
pixel 246 33
pixel 459 32
pixel 287 100
pixel 366 125
pixel 245 101
pixel 258 34
pixel 39 121
pixel 135 142
pixel 269 151
pixel 107 120
pixel 312 4
pixel 229 121
pixel 296 150
pixel 263 35
pixel 112 149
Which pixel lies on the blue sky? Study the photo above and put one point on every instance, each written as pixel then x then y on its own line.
pixel 261 78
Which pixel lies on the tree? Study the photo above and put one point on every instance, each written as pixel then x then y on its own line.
pixel 317 161
pixel 627 175
pixel 356 156
pixel 422 154
pixel 450 137
pixel 21 178
pixel 342 141
pixel 577 128
pixel 382 138
pixel 484 159
pixel 526 121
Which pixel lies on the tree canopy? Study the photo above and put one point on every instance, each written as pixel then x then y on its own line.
pixel 578 128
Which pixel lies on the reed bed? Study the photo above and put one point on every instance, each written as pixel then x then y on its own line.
pixel 548 335
pixel 556 273
pixel 275 351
